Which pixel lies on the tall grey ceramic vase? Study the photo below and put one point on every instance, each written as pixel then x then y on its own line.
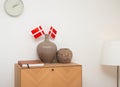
pixel 47 50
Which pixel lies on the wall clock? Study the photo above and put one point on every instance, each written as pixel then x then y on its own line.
pixel 14 7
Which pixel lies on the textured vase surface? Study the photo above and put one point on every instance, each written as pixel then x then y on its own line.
pixel 64 55
pixel 47 50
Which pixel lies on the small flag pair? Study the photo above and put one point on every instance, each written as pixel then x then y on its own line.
pixel 38 32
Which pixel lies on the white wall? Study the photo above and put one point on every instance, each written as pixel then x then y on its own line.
pixel 82 25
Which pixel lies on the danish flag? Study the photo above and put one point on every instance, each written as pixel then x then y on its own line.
pixel 52 32
pixel 37 32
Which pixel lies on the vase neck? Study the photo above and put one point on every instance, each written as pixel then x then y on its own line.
pixel 46 37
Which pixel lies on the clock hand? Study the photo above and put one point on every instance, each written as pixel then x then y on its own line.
pixel 15 5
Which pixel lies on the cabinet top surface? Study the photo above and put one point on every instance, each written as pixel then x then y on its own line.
pixel 53 65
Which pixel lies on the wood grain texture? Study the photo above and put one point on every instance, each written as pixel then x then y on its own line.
pixel 52 76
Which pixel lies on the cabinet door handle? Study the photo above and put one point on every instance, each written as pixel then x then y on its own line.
pixel 52 69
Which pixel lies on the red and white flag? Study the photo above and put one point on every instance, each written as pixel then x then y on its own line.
pixel 52 32
pixel 37 32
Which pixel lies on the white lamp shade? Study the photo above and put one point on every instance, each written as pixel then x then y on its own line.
pixel 111 53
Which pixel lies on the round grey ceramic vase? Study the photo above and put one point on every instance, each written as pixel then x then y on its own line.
pixel 47 50
pixel 64 55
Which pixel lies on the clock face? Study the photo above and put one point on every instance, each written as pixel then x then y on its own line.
pixel 14 7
